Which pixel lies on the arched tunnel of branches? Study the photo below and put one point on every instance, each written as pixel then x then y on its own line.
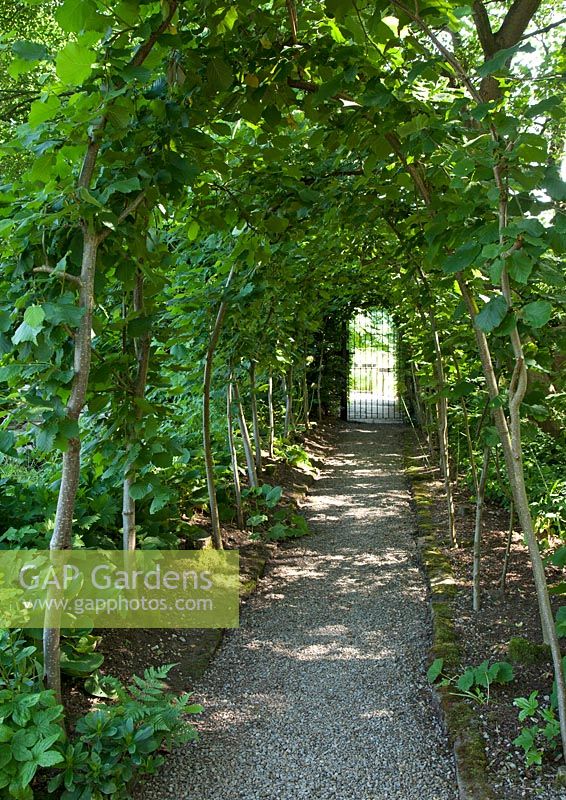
pixel 197 200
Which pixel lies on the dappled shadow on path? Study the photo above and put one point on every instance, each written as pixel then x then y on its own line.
pixel 321 693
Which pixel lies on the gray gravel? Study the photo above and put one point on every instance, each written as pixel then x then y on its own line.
pixel 322 692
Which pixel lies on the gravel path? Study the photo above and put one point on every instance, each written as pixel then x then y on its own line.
pixel 321 693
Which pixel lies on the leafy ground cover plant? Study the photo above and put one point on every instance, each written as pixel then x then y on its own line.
pixel 543 734
pixel 120 741
pixel 31 729
pixel 475 682
pixel 268 524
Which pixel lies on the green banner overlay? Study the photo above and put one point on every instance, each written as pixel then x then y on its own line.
pixel 116 589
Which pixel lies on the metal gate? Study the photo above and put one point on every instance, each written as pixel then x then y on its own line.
pixel 373 385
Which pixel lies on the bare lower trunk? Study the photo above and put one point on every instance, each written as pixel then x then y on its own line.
pixel 319 385
pixel 503 578
pixel 71 467
pixel 248 452
pixel 306 399
pixel 271 423
pixel 480 496
pixel 70 475
pixel 142 348
pixel 255 420
pixel 234 457
pixel 288 387
pixel 509 434
pixel 128 514
pixel 206 434
pixel 442 420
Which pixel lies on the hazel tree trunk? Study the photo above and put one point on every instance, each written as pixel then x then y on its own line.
pixel 234 456
pixel 271 416
pixel 246 441
pixel 510 437
pixel 71 467
pixel 71 463
pixel 142 348
pixel 255 419
pixel 288 388
pixel 480 497
pixel 206 428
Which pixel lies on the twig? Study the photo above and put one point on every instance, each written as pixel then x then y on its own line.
pixel 64 276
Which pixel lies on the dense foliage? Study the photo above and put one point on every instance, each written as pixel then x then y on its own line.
pixel 196 197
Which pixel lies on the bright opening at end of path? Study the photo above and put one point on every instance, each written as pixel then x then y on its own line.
pixel 373 383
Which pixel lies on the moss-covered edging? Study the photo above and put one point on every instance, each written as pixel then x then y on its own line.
pixel 460 723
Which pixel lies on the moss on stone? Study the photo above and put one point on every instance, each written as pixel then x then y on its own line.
pixel 523 651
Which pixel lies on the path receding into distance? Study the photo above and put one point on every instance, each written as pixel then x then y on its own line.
pixel 322 692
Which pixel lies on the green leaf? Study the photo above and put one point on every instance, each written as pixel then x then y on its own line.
pixel 27 773
pixel 30 51
pixel 49 758
pixel 466 681
pixel 192 230
pixel 6 733
pixel 537 314
pixel 501 672
pixel 34 317
pixel 520 266
pixel 42 110
pixel 492 314
pixel 127 185
pixel 139 490
pixel 5 321
pixel 219 74
pixel 463 257
pixel 82 664
pixel 64 312
pixel 435 669
pixel 159 501
pixel 499 60
pixel 77 15
pixel 74 63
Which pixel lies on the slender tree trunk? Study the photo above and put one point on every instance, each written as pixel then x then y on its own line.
pixel 509 435
pixel 271 423
pixel 142 348
pixel 71 464
pixel 306 398
pixel 442 420
pixel 503 579
pixel 467 432
pixel 288 388
pixel 319 382
pixel 248 452
pixel 234 456
pixel 255 420
pixel 71 467
pixel 480 496
pixel 206 432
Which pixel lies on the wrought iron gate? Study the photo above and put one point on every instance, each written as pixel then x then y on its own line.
pixel 373 386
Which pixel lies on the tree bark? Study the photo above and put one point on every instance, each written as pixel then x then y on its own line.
pixel 480 496
pixel 503 578
pixel 206 431
pixel 306 398
pixel 271 435
pixel 71 464
pixel 142 348
pixel 248 452
pixel 288 387
pixel 513 460
pixel 71 467
pixel 255 419
pixel 234 456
